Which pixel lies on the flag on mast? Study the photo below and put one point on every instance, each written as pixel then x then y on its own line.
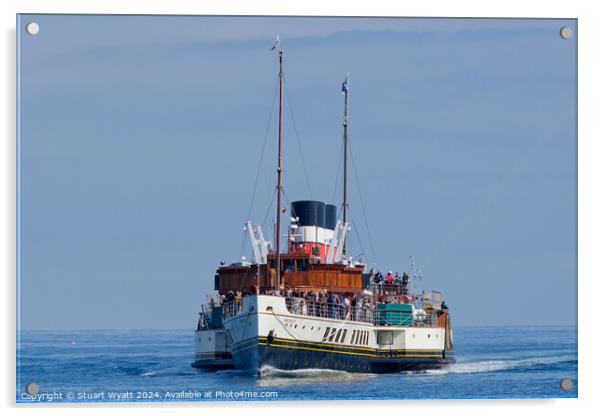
pixel 345 87
pixel 276 43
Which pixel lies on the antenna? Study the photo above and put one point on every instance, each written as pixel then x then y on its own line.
pixel 415 273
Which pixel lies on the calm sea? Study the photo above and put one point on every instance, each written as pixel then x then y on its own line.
pixel 148 365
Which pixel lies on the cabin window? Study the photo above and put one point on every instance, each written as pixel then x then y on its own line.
pixel 344 335
pixel 272 264
pixel 287 265
pixel 302 265
pixel 339 332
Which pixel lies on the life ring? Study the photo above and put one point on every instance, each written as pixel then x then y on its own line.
pixel 406 299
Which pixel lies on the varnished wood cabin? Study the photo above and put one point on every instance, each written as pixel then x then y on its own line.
pixel 304 272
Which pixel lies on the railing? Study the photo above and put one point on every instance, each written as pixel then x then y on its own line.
pixel 367 313
pixel 388 289
pixel 364 313
pixel 232 308
pixel 210 318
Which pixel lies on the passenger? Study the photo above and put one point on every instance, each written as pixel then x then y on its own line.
pixel 311 301
pixel 324 305
pixel 359 309
pixel 378 279
pixel 389 278
pixel 331 310
pixel 347 305
pixel 444 306
pixel 404 283
pixel 396 279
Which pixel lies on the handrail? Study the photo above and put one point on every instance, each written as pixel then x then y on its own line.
pixel 368 313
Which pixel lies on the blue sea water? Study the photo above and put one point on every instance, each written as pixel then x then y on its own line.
pixel 150 365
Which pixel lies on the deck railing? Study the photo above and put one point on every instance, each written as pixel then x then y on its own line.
pixel 362 313
pixel 232 308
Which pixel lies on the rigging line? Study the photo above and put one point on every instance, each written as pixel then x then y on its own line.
pixel 265 140
pixel 257 174
pixel 290 105
pixel 336 178
pixel 359 192
pixel 359 240
pixel 269 208
pixel 285 196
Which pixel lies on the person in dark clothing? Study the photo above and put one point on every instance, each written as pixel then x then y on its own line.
pixel 404 283
pixel 444 306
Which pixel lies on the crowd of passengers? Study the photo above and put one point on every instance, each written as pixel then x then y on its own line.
pixel 389 281
pixel 325 304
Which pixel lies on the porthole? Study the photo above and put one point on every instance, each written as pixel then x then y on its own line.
pixel 429 335
pixel 303 327
pixel 312 328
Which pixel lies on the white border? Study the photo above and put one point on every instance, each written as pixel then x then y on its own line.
pixel 590 206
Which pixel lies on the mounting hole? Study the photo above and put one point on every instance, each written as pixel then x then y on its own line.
pixel 566 384
pixel 32 388
pixel 566 32
pixel 32 28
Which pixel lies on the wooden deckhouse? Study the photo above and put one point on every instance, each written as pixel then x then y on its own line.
pixel 303 272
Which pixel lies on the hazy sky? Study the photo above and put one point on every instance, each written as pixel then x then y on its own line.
pixel 140 138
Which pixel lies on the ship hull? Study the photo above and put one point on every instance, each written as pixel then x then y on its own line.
pixel 266 335
pixel 296 356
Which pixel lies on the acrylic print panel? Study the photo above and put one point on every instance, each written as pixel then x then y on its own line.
pixel 287 208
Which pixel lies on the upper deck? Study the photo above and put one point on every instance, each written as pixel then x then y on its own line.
pixel 303 272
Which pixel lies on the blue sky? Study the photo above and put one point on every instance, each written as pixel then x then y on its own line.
pixel 140 138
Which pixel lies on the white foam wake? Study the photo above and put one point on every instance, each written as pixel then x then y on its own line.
pixel 493 365
pixel 269 371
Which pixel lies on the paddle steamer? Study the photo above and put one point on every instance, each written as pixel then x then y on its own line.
pixel 311 305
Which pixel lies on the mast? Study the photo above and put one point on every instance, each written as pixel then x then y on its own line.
pixel 278 207
pixel 345 140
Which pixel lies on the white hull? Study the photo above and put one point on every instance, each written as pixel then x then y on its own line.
pixel 264 332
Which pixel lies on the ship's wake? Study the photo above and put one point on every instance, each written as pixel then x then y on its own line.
pixel 272 372
pixel 488 366
pixel 270 376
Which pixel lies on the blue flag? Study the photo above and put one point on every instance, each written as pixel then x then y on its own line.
pixel 345 87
